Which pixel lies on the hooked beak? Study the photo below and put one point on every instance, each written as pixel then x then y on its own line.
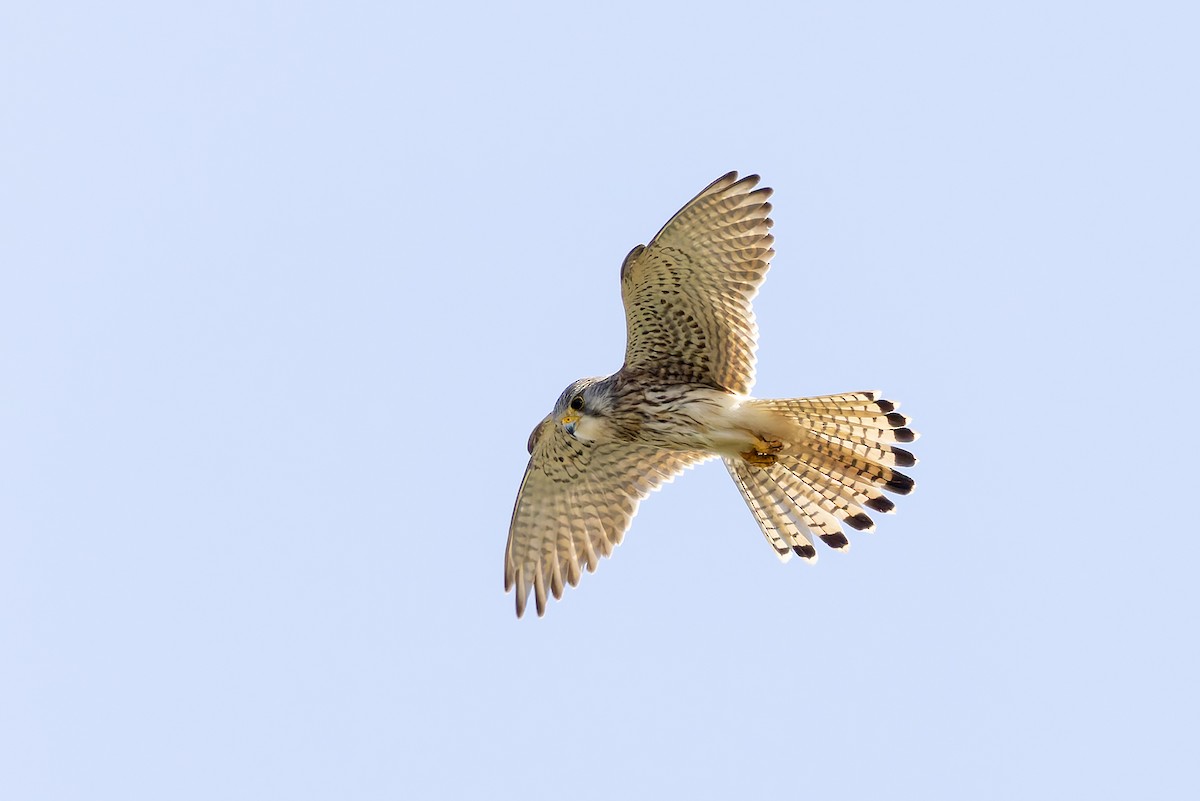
pixel 568 421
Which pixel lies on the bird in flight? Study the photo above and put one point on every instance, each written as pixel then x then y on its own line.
pixel 806 467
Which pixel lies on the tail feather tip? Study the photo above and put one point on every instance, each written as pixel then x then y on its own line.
pixel 881 504
pixel 900 484
pixel 805 552
pixel 836 541
pixel 861 522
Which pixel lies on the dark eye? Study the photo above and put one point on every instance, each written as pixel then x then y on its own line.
pixel 577 402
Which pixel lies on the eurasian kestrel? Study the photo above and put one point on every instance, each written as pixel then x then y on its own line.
pixel 804 466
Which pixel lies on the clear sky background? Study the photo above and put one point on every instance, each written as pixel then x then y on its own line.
pixel 284 288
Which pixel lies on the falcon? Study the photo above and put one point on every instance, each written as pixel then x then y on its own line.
pixel 807 467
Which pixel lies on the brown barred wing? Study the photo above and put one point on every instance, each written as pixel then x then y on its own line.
pixel 688 293
pixel 574 506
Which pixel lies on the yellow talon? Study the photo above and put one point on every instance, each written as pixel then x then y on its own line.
pixel 768 446
pixel 763 453
pixel 758 459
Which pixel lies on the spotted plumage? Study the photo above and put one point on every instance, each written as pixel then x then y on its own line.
pixel 806 467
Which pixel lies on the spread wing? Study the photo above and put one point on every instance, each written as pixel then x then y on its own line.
pixel 687 294
pixel 574 506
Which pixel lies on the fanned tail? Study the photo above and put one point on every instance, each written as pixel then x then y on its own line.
pixel 837 463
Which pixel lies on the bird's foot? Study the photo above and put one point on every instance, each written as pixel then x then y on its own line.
pixel 764 453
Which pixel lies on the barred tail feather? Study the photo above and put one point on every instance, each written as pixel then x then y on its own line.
pixel 783 522
pixel 836 466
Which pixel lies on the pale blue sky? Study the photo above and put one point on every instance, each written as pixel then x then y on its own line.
pixel 283 290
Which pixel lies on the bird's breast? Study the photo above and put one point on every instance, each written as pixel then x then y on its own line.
pixel 681 417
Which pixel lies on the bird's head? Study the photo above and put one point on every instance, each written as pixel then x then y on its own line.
pixel 581 407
